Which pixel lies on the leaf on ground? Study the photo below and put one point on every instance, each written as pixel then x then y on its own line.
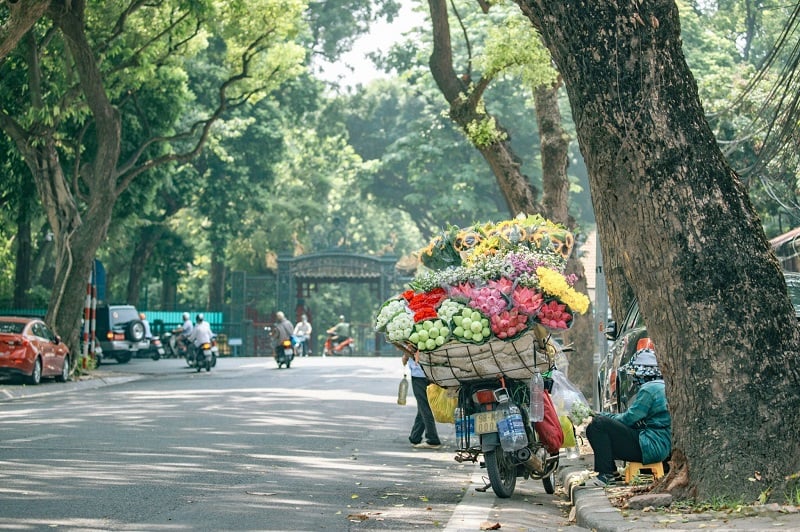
pixel 357 517
pixel 354 496
pixel 487 525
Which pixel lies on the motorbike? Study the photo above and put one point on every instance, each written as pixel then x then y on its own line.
pixel 485 411
pixel 203 356
pixel 284 353
pixel 336 346
pixel 174 344
pixel 155 348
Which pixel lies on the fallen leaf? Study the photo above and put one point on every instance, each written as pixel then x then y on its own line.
pixel 354 496
pixel 358 517
pixel 486 525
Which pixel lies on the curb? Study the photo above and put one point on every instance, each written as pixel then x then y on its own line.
pixel 11 393
pixel 592 509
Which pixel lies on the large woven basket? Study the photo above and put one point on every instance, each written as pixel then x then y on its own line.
pixel 454 363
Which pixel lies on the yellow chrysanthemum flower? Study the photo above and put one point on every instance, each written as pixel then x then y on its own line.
pixel 553 283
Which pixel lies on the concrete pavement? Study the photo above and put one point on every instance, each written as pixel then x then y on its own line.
pixel 591 506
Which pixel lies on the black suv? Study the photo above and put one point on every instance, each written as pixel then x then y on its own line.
pixel 120 332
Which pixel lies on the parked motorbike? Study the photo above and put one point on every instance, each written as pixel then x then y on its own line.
pixel 156 349
pixel 284 353
pixel 484 408
pixel 334 345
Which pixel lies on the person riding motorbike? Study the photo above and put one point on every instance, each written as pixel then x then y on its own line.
pixel 302 331
pixel 340 331
pixel 283 328
pixel 180 340
pixel 201 333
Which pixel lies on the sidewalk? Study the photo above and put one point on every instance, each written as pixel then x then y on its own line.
pixel 592 509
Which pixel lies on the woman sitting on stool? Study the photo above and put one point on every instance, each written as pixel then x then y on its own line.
pixel 643 433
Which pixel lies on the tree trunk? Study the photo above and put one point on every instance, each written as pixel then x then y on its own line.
pixel 216 283
pixel 554 143
pixel 24 263
pixel 22 15
pixel 677 219
pixel 145 246
pixel 466 110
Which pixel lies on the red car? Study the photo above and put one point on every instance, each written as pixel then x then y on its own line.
pixel 31 350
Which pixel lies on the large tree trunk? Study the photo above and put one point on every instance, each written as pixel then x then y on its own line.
pixel 675 216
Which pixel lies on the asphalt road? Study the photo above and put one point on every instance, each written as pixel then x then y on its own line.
pixel 320 446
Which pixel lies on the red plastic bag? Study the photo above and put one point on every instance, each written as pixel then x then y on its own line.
pixel 549 429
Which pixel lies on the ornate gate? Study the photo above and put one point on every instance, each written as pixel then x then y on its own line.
pixel 298 275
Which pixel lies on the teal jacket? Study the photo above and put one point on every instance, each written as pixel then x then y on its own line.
pixel 649 413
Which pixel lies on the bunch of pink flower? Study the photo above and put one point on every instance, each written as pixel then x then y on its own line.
pixel 508 323
pixel 487 299
pixel 554 315
pixel 527 300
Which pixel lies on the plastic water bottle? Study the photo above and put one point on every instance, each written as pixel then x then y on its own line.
pixel 402 391
pixel 458 417
pixel 512 430
pixel 537 401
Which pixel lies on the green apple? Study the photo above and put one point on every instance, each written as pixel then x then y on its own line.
pixel 476 316
pixel 467 334
pixel 427 324
pixel 414 338
pixel 457 320
pixel 477 337
pixel 476 327
pixel 466 323
pixel 423 335
pixel 440 340
pixel 430 344
pixel 458 331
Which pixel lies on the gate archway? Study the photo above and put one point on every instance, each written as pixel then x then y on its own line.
pixel 298 276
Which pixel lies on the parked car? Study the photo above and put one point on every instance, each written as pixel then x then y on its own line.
pixel 30 350
pixel 617 390
pixel 119 332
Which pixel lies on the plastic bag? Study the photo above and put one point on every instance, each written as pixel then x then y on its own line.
pixel 549 429
pixel 569 432
pixel 568 399
pixel 442 402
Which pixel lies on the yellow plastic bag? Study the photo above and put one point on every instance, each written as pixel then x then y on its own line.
pixel 442 402
pixel 569 432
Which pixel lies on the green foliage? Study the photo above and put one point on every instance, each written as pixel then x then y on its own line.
pixel 513 48
pixel 7 260
pixel 484 132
